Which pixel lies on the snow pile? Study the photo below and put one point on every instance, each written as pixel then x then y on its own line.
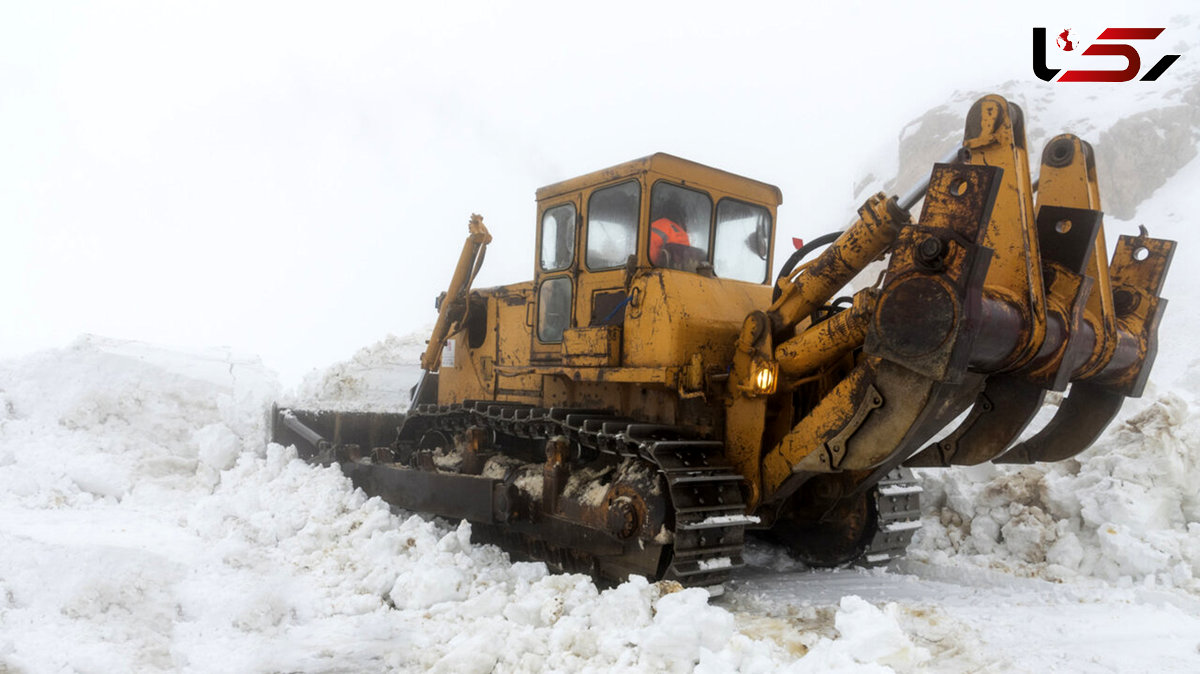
pixel 405 593
pixel 148 526
pixel 103 420
pixel 870 640
pixel 376 379
pixel 1126 510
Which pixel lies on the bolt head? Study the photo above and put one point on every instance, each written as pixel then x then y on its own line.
pixel 931 248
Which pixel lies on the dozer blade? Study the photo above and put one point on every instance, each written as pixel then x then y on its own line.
pixel 328 436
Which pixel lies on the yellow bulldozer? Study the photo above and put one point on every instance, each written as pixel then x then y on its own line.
pixel 653 394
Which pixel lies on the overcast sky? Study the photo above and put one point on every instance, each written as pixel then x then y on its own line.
pixel 294 179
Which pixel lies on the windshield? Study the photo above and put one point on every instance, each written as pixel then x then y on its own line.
pixel 612 225
pixel 679 223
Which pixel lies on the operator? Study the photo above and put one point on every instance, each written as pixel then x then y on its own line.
pixel 670 228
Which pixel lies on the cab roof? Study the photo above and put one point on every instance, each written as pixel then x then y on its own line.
pixel 687 171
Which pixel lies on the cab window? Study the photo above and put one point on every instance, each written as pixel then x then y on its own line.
pixel 742 241
pixel 612 225
pixel 558 237
pixel 679 226
pixel 554 308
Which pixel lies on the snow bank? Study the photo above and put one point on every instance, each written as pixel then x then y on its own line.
pixel 377 378
pixel 1126 510
pixel 104 420
pixel 868 636
pixel 148 526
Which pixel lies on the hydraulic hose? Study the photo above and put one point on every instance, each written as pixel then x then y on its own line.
pixel 801 253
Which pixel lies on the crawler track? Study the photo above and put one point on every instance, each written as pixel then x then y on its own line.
pixel 700 522
pixel 898 513
pixel 705 522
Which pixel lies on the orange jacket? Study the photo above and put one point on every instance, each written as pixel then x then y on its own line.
pixel 664 231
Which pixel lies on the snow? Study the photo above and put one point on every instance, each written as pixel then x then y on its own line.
pixel 148 526
pixel 974 619
pixel 1126 510
pixel 713 520
pixel 377 378
pixel 868 635
pixel 896 490
pixel 713 564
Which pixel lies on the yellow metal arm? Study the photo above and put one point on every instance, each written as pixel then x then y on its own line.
pixel 879 220
pixel 454 304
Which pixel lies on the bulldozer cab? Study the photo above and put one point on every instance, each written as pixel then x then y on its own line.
pixel 657 213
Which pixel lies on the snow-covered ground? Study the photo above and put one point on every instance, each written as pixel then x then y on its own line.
pixel 147 525
pixel 975 620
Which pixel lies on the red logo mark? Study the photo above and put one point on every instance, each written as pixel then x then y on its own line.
pixel 1133 60
pixel 1064 41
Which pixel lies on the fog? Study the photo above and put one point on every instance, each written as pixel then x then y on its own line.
pixel 294 180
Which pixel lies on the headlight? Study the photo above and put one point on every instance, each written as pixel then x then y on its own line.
pixel 766 375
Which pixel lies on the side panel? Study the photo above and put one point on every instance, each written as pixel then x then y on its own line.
pixel 514 381
pixel 675 315
pixel 489 354
pixel 677 342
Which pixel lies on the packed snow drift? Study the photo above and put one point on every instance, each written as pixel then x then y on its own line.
pixel 148 526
